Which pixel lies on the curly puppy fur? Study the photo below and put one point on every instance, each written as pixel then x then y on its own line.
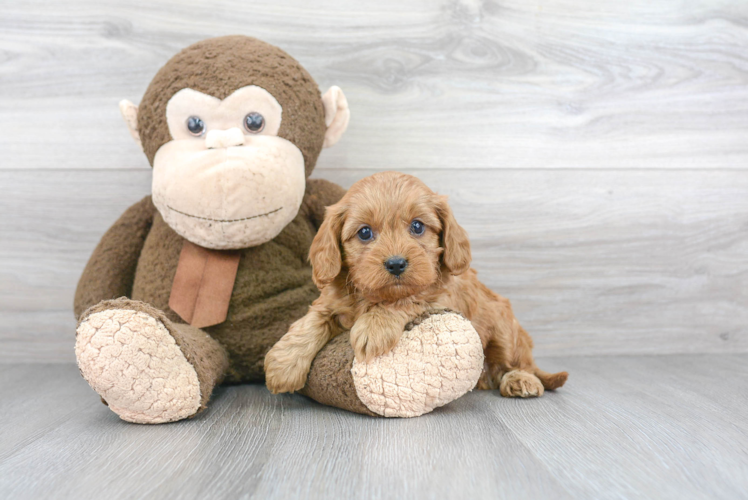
pixel 359 294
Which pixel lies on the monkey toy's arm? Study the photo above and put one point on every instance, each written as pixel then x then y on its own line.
pixel 320 194
pixel 110 271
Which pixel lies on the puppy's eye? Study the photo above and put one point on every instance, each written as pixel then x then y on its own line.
pixel 365 233
pixel 417 227
pixel 254 122
pixel 195 125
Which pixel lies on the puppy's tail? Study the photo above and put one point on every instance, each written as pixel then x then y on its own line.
pixel 551 381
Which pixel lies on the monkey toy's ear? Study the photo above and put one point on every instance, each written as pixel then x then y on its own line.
pixel 130 114
pixel 337 115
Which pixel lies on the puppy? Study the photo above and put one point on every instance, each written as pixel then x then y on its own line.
pixel 387 252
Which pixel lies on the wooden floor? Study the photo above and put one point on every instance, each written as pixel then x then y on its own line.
pixel 624 427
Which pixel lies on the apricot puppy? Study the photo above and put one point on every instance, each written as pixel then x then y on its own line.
pixel 387 252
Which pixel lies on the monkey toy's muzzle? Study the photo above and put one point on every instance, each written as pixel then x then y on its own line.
pixel 230 197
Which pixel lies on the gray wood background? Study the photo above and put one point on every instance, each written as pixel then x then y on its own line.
pixel 595 150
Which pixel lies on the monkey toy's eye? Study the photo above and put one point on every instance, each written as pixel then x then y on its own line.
pixel 365 233
pixel 417 227
pixel 254 122
pixel 195 125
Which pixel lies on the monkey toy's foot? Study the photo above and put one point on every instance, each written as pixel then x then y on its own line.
pixel 139 362
pixel 438 359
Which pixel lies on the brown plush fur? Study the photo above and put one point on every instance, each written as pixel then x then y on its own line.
pixel 273 284
pixel 359 294
pixel 110 271
pixel 213 67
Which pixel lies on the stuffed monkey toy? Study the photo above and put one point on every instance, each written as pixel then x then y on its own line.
pixel 194 284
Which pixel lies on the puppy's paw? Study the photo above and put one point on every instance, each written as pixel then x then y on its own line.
pixel 370 342
pixel 520 384
pixel 284 373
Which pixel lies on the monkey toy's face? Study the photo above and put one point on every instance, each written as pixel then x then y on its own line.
pixel 226 180
pixel 229 165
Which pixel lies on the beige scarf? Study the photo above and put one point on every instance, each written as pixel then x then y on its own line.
pixel 202 287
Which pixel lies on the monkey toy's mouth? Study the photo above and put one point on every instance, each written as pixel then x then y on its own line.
pixel 229 198
pixel 221 231
pixel 242 219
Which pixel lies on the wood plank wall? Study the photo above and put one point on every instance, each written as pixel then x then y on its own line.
pixel 595 150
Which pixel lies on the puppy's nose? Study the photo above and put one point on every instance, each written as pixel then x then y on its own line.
pixel 396 265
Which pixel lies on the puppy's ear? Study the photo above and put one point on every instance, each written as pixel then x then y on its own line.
pixel 325 251
pixel 454 240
